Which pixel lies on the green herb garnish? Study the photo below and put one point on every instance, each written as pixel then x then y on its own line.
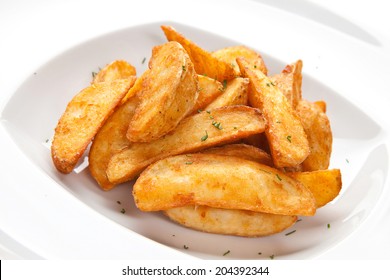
pixel 204 137
pixel 217 125
pixel 291 232
pixel 289 138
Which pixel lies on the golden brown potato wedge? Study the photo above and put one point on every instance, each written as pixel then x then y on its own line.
pixel 243 151
pixel 83 117
pixel 325 185
pixel 168 93
pixel 110 140
pixel 236 93
pixel 230 221
pixel 194 133
pixel 321 104
pixel 116 70
pixel 222 182
pixel 230 54
pixel 319 134
pixel 205 63
pixel 290 82
pixel 286 137
pixel 209 90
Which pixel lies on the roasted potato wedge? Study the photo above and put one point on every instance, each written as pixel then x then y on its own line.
pixel 230 54
pixel 209 90
pixel 286 137
pixel 236 93
pixel 228 221
pixel 290 82
pixel 319 134
pixel 205 63
pixel 325 185
pixel 116 70
pixel 169 92
pixel 243 151
pixel 222 182
pixel 194 133
pixel 110 140
pixel 83 117
pixel 321 104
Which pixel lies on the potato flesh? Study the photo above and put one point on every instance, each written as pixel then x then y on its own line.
pixel 325 185
pixel 82 119
pixel 205 63
pixel 221 182
pixel 319 134
pixel 287 139
pixel 228 221
pixel 236 93
pixel 169 91
pixel 194 133
pixel 209 90
pixel 290 82
pixel 116 70
pixel 110 140
pixel 230 54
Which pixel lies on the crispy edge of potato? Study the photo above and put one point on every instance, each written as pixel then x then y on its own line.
pixel 325 185
pixel 230 221
pixel 109 140
pixel 82 119
pixel 221 182
pixel 243 151
pixel 236 93
pixel 170 90
pixel 319 134
pixel 209 90
pixel 231 53
pixel 205 63
pixel 195 133
pixel 289 81
pixel 286 137
pixel 116 70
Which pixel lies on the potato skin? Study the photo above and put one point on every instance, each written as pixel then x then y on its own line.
pixel 286 137
pixel 230 221
pixel 193 134
pixel 169 92
pixel 221 182
pixel 205 63
pixel 319 134
pixel 82 119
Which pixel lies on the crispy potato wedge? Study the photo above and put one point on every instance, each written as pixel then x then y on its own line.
pixel 169 92
pixel 110 140
pixel 290 82
pixel 229 221
pixel 209 90
pixel 194 133
pixel 236 93
pixel 116 70
pixel 319 134
pixel 286 137
pixel 243 151
pixel 325 185
pixel 221 182
pixel 230 54
pixel 83 117
pixel 205 63
pixel 321 104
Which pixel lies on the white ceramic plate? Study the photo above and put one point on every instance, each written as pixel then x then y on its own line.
pixel 360 151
